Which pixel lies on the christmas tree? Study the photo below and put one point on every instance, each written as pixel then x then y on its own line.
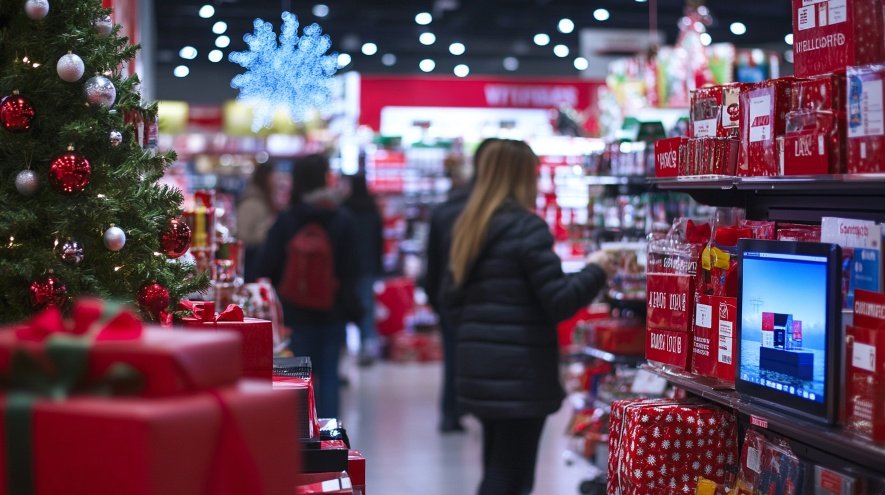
pixel 81 212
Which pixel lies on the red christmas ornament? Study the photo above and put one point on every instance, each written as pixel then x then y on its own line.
pixel 17 113
pixel 153 298
pixel 48 291
pixel 70 173
pixel 176 238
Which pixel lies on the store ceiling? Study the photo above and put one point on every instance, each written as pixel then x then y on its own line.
pixel 491 30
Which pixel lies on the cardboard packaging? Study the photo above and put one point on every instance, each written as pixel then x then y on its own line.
pixel 667 156
pixel 715 337
pixel 865 367
pixel 861 242
pixel 866 124
pixel 764 107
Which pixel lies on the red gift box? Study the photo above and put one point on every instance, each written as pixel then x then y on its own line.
pixel 866 126
pixel 625 337
pixel 395 301
pixel 294 383
pixel 715 337
pixel 829 35
pixel 356 468
pixel 715 111
pixel 763 118
pixel 865 367
pixel 824 92
pixel 667 155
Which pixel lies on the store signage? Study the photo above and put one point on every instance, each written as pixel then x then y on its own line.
pixel 517 96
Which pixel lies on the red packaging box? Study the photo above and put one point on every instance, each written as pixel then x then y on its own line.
pixel 715 337
pixel 395 301
pixel 293 383
pixel 823 92
pixel 624 337
pixel 706 112
pixel 866 125
pixel 763 118
pixel 668 319
pixel 813 144
pixel 829 35
pixel 667 154
pixel 356 468
pixel 865 367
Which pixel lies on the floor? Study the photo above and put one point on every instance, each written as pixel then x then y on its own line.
pixel 390 413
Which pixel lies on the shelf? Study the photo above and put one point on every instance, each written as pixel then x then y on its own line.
pixel 615 180
pixel 694 182
pixel 833 441
pixel 841 182
pixel 611 358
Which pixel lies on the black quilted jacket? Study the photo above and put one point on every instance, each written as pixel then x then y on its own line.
pixel 507 311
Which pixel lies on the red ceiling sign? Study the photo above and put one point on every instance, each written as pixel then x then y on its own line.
pixel 377 92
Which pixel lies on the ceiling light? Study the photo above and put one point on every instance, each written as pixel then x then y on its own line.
pixel 427 38
pixel 641 1
pixel 427 65
pixel 206 11
pixel 511 63
pixel 388 59
pixel 601 15
pixel 343 60
pixel 560 51
pixel 457 48
pixel 181 71
pixel 738 28
pixel 566 26
pixel 320 10
pixel 542 39
pixel 222 41
pixel 581 63
pixel 706 39
pixel 216 56
pixel 789 38
pixel 370 48
pixel 423 18
pixel 219 27
pixel 461 70
pixel 188 53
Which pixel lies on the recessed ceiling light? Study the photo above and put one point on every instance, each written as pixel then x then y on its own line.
pixel 423 18
pixel 738 28
pixel 427 65
pixel 641 1
pixel 343 60
pixel 706 39
pixel 181 71
pixel 581 63
pixel 457 48
pixel 222 41
pixel 216 56
pixel 388 59
pixel 511 63
pixel 320 10
pixel 789 38
pixel 461 70
pixel 542 39
pixel 219 27
pixel 560 51
pixel 206 11
pixel 601 15
pixel 370 48
pixel 427 38
pixel 188 53
pixel 566 26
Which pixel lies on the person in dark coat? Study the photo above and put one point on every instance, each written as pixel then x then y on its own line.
pixel 506 295
pixel 319 335
pixel 439 240
pixel 369 236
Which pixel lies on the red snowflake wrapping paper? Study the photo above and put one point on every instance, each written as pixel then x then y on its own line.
pixel 866 125
pixel 829 35
pixel 662 446
pixel 763 120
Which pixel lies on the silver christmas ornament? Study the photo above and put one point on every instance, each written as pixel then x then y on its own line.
pixel 26 182
pixel 104 25
pixel 70 67
pixel 37 9
pixel 99 90
pixel 114 238
pixel 116 138
pixel 71 252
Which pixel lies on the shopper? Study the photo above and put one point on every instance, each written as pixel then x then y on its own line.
pixel 256 212
pixel 438 242
pixel 507 294
pixel 369 237
pixel 316 333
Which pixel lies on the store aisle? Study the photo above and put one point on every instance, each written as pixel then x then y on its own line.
pixel 391 414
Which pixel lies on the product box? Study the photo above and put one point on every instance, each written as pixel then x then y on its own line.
pixel 866 119
pixel 865 367
pixel 764 107
pixel 668 319
pixel 829 482
pixel 710 156
pixel 823 92
pixel 768 467
pixel 667 155
pixel 715 338
pixel 356 469
pixel 620 336
pixel 393 303
pixel 829 35
pixel 861 242
pixel 715 111
pixel 812 145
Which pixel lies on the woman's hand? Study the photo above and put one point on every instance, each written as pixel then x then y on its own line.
pixel 604 261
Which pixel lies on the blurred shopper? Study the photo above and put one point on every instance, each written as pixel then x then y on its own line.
pixel 311 258
pixel 439 240
pixel 256 212
pixel 507 294
pixel 369 238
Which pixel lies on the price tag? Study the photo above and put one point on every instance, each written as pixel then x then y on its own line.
pixel 647 383
pixel 754 460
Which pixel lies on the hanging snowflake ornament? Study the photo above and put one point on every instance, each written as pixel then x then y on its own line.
pixel 291 71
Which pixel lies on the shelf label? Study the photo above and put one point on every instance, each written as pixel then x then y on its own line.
pixel 754 460
pixel 704 316
pixel 757 421
pixel 726 340
pixel 864 357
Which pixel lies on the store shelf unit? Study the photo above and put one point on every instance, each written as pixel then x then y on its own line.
pixel 610 357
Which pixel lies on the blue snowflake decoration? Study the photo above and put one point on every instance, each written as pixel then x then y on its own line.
pixel 294 71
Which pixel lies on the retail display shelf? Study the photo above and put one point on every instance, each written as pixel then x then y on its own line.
pixel 832 440
pixel 615 180
pixel 837 182
pixel 610 357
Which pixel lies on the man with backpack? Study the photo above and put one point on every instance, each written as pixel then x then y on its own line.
pixel 310 256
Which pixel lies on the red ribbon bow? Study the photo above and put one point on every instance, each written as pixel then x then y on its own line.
pixel 101 321
pixel 204 311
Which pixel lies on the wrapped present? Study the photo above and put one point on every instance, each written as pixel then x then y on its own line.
pixel 866 125
pixel 296 373
pixel 865 367
pixel 824 92
pixel 763 119
pixel 829 35
pixel 715 111
pixel 256 335
pixel 768 468
pixel 663 446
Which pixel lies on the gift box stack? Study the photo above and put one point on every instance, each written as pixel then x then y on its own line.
pixel 663 446
pixel 866 126
pixel 99 405
pixel 865 367
pixel 712 148
pixel 815 136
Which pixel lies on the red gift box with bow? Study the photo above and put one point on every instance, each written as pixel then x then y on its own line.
pixel 78 419
pixel 256 335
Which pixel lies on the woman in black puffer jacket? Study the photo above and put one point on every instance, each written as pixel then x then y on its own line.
pixel 507 294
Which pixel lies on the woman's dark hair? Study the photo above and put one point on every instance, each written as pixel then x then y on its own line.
pixel 360 199
pixel 308 175
pixel 261 178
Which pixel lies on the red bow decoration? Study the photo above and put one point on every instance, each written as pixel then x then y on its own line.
pixel 204 311
pixel 697 233
pixel 98 320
